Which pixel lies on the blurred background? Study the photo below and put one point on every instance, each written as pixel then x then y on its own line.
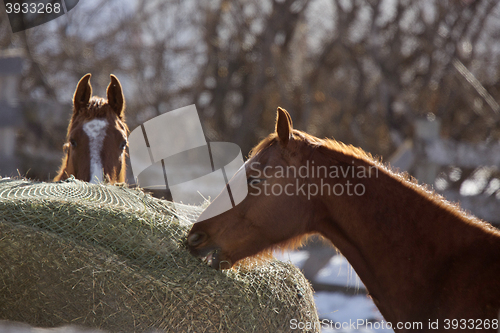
pixel 414 82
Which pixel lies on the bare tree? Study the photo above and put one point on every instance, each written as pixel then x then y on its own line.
pixel 361 71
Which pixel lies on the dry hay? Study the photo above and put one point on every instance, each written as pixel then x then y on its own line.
pixel 112 258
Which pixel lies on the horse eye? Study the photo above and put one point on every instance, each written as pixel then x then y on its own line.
pixel 123 144
pixel 253 180
pixel 73 143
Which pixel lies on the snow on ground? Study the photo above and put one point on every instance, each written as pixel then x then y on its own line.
pixel 345 313
pixel 337 311
pixel 339 272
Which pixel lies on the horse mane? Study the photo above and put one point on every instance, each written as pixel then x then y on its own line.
pixel 332 144
pixel 343 153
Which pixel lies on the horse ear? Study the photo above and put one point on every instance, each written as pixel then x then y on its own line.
pixel 83 93
pixel 284 126
pixel 115 96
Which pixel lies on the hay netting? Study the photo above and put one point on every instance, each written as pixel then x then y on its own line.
pixel 113 258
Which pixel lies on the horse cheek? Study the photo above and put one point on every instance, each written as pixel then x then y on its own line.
pixel 72 163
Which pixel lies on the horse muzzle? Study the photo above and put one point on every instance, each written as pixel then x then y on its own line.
pixel 209 254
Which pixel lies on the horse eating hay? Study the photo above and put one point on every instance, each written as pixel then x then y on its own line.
pixel 421 258
pixel 97 135
pixel 113 258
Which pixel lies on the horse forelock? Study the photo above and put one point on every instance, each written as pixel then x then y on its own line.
pixel 265 143
pixel 96 108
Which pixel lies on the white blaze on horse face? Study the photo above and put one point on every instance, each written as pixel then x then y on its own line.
pixel 96 131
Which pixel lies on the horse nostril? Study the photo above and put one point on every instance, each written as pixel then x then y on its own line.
pixel 197 238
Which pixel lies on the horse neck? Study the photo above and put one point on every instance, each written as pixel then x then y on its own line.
pixel 401 240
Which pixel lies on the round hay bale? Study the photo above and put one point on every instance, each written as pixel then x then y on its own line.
pixel 113 258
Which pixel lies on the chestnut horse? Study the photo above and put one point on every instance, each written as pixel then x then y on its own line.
pixel 422 259
pixel 97 135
